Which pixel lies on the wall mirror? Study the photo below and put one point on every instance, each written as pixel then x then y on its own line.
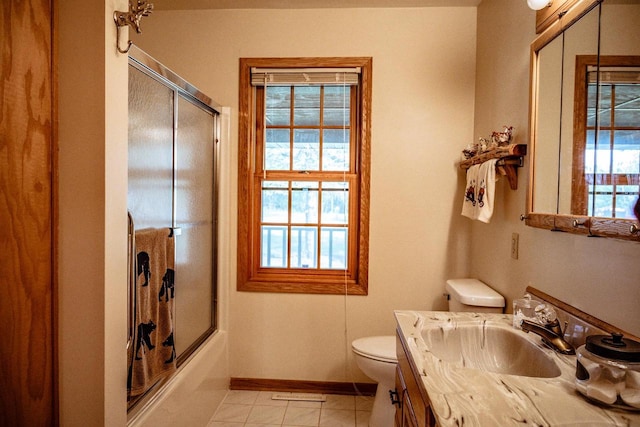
pixel 585 121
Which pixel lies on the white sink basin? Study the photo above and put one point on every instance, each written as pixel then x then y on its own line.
pixel 494 348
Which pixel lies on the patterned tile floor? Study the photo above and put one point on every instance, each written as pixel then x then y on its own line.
pixel 257 409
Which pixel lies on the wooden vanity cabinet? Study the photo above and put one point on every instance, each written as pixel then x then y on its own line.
pixel 413 410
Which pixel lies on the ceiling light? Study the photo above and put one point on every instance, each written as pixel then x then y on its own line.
pixel 538 4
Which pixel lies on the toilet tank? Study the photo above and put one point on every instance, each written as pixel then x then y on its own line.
pixel 473 295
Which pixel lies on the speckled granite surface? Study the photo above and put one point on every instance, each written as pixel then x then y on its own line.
pixel 473 396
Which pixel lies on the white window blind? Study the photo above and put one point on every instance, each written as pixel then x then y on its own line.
pixel 304 76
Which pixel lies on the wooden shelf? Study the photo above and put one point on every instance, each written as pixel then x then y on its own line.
pixel 510 158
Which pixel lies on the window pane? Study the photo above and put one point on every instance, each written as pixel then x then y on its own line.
pixel 335 203
pixel 277 150
pixel 625 204
pixel 591 104
pixel 626 152
pixel 601 156
pixel 278 108
pixel 336 105
pixel 335 150
pixel 627 104
pixel 274 246
pixel 304 247
pixel 333 248
pixel 304 203
pixel 605 105
pixel 306 107
pixel 275 202
pixel 306 151
pixel 601 200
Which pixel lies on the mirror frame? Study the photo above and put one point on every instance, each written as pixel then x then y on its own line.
pixel 618 228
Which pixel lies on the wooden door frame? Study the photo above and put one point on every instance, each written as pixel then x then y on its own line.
pixel 28 188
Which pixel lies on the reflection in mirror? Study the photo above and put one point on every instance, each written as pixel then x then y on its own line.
pixel 607 144
pixel 615 189
pixel 585 136
pixel 545 190
pixel 581 39
pixel 554 133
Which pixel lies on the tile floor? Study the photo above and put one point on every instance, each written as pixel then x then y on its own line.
pixel 257 409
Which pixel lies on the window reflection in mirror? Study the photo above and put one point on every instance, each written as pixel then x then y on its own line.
pixel 607 144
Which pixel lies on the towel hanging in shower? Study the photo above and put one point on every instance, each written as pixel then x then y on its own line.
pixel 152 355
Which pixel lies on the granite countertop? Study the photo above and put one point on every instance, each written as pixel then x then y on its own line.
pixel 474 397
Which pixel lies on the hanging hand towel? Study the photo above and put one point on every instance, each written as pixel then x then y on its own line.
pixel 152 353
pixel 469 205
pixel 485 192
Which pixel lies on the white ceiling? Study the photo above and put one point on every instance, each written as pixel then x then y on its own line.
pixel 304 4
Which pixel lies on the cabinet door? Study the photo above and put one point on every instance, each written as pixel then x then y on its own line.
pixel 405 417
pixel 408 416
pixel 415 409
pixel 400 389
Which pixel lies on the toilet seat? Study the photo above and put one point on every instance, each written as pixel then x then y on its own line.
pixel 381 348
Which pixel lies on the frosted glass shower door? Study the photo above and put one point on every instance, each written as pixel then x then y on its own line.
pixel 195 254
pixel 150 191
pixel 173 134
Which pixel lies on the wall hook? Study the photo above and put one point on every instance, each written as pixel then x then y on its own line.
pixel 131 18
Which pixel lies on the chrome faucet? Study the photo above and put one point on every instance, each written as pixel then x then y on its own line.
pixel 551 334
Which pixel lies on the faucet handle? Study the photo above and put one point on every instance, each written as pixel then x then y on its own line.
pixel 545 314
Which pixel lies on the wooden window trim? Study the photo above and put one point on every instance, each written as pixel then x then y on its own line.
pixel 249 276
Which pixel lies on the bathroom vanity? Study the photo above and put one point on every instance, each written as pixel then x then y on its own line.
pixel 475 369
pixel 413 409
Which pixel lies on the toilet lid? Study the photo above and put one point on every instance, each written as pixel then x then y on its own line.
pixel 381 348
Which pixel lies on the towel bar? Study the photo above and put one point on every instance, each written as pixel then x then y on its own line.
pixel 510 158
pixel 131 288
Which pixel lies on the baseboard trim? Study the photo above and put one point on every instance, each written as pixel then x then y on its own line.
pixel 329 387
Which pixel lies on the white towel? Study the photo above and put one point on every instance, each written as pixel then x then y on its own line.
pixel 470 192
pixel 485 190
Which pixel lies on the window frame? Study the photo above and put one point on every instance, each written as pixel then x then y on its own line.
pixel 250 276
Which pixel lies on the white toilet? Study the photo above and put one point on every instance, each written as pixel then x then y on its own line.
pixel 376 356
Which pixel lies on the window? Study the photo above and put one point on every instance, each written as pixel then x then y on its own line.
pixel 303 175
pixel 607 143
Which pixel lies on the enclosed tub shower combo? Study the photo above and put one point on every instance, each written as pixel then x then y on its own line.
pixel 171 201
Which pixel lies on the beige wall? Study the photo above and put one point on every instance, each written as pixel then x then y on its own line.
pixel 423 96
pixel 599 276
pixel 92 239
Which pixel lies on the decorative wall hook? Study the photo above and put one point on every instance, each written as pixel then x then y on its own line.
pixel 131 18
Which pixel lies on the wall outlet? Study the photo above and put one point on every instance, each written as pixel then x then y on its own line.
pixel 514 245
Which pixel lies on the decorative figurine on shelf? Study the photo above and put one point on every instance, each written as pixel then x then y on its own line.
pixel 483 145
pixel 503 138
pixel 469 151
pixel 494 142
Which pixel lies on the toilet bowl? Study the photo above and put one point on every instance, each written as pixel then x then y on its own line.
pixel 376 358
